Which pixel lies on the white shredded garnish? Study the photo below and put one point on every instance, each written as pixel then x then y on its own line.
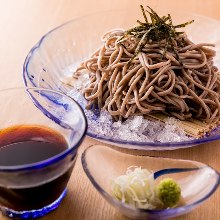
pixel 136 188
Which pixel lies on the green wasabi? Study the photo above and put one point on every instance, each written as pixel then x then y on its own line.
pixel 169 192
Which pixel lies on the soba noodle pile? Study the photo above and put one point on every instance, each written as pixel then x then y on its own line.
pixel 130 75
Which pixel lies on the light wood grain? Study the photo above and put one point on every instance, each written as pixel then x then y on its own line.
pixel 23 22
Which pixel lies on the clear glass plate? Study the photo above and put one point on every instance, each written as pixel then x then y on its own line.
pixel 60 51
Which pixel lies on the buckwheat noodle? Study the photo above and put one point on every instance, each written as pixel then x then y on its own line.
pixel 184 84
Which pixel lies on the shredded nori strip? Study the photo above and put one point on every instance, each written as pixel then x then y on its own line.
pixel 156 30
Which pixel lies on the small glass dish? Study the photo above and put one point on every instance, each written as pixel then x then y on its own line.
pixel 60 51
pixel 197 180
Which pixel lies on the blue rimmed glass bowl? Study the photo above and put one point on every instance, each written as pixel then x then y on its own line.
pixel 60 51
pixel 32 187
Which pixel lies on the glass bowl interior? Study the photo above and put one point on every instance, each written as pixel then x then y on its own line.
pixel 197 180
pixel 60 51
pixel 36 106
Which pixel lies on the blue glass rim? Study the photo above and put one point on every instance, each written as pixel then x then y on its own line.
pixel 169 211
pixel 57 157
pixel 143 145
pixel 180 144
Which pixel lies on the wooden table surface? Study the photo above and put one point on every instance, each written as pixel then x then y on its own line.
pixel 22 23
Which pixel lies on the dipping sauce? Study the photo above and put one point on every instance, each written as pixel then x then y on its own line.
pixel 28 144
pixel 25 144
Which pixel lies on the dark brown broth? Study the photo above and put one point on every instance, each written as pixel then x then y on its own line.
pixel 26 144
